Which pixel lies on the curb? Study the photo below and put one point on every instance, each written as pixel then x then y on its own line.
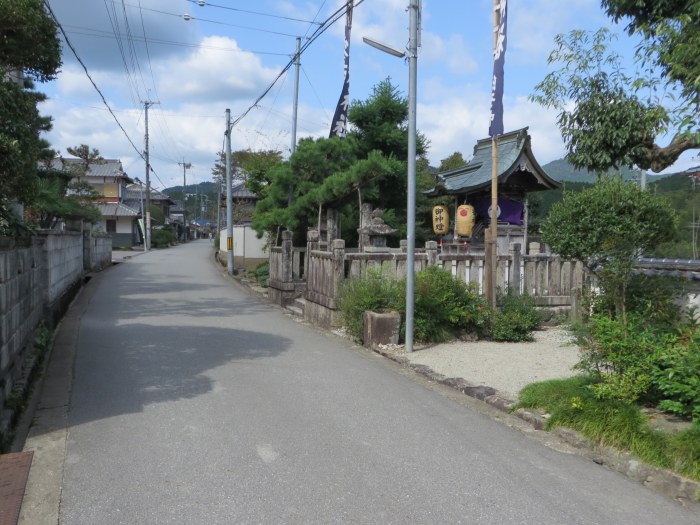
pixel 663 481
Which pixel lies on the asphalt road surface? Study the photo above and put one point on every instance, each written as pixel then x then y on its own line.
pixel 195 403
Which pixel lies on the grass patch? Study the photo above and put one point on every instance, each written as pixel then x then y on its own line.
pixel 573 404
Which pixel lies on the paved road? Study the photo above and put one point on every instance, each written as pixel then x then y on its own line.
pixel 194 403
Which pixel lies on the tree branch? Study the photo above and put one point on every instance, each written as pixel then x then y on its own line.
pixel 659 158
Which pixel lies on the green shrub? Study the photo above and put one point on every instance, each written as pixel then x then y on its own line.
pixel 372 292
pixel 445 305
pixel 162 237
pixel 676 376
pixel 655 299
pixel 622 357
pixel 262 274
pixel 515 319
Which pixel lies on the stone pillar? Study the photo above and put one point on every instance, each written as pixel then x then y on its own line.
pixel 431 249
pixel 287 257
pixel 365 220
pixel 514 275
pixel 331 225
pixel 576 313
pixel 338 249
pixel 535 248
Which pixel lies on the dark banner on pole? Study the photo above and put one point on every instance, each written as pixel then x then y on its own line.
pixel 339 125
pixel 499 58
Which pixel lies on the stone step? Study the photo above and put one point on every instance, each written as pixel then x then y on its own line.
pixel 295 310
pixel 296 307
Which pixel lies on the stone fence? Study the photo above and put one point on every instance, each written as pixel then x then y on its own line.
pixel 38 278
pixel 550 280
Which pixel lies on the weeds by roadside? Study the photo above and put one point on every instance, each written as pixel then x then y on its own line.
pixel 574 404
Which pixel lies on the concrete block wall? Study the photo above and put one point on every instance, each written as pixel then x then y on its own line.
pixel 100 252
pixel 39 277
pixel 64 262
pixel 22 293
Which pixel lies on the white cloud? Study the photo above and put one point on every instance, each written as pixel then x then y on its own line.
pixel 214 74
pixel 453 119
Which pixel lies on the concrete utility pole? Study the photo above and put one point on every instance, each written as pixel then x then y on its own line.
pixel 229 198
pixel 147 239
pixel 297 65
pixel 185 167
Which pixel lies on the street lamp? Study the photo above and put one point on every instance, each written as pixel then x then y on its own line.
pixel 412 55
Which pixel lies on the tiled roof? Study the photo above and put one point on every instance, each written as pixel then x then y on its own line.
pixel 240 191
pixel 134 192
pixel 115 209
pixel 515 159
pixel 105 168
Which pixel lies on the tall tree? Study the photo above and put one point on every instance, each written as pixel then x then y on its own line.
pixel 454 161
pixel 619 119
pixel 60 194
pixel 369 165
pixel 29 51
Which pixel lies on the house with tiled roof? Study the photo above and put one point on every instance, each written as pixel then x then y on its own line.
pixel 121 198
pixel 109 180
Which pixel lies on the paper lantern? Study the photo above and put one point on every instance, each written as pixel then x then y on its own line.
pixel 465 220
pixel 441 220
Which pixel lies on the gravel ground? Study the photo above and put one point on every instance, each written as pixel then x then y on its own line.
pixel 507 367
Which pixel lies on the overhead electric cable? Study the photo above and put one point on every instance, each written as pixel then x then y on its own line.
pixel 337 15
pixel 86 31
pixel 104 101
pixel 190 17
pixel 254 12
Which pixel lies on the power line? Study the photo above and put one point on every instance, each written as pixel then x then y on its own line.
pixel 96 33
pixel 322 29
pixel 202 4
pixel 87 73
pixel 190 17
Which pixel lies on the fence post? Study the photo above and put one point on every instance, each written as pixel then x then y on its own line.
pixel 338 250
pixel 365 221
pixel 576 314
pixel 331 225
pixel 514 277
pixel 286 256
pixel 431 249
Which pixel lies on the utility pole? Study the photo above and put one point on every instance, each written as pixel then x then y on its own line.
pixel 229 198
pixel 147 239
pixel 218 207
pixel 297 65
pixel 185 167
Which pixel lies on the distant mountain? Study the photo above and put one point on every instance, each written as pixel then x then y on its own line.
pixel 562 171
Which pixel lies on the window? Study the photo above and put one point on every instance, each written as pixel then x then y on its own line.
pixel 111 226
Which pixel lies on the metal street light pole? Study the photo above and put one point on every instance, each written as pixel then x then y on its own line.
pixel 411 201
pixel 412 55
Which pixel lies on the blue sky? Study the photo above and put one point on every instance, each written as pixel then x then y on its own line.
pixel 229 52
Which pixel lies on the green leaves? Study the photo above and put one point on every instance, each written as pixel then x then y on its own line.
pixel 610 118
pixel 607 227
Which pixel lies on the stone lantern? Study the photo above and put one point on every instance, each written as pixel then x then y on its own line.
pixel 373 236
